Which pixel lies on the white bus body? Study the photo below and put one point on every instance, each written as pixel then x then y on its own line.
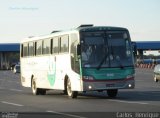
pixel 46 63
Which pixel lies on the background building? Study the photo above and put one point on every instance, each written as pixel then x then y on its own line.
pixel 9 55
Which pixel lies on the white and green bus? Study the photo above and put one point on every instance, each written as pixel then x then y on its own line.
pixel 87 58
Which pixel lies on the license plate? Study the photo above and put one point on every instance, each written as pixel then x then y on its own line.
pixel 110 85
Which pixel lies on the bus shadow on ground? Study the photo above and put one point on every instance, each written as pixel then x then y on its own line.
pixel 139 95
pixel 122 95
pixel 126 95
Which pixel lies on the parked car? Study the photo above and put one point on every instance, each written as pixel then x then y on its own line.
pixel 157 73
pixel 16 69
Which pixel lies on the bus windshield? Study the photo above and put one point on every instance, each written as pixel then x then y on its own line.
pixel 106 49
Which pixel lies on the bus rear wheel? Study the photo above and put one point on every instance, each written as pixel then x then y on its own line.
pixel 35 90
pixel 112 92
pixel 72 94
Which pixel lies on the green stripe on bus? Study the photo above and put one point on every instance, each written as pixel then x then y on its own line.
pixel 108 73
pixel 52 73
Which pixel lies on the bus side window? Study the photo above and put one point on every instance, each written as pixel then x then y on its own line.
pixel 64 45
pixel 74 57
pixel 55 44
pixel 39 47
pixel 25 49
pixel 31 49
pixel 46 46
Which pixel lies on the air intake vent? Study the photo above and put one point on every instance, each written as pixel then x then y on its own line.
pixel 54 31
pixel 30 36
pixel 86 25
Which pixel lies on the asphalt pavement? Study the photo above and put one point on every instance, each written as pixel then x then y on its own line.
pixel 18 100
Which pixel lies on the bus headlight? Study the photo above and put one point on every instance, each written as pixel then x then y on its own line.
pixel 129 85
pixel 90 87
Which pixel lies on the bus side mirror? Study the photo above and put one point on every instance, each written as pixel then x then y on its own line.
pixel 135 51
pixel 78 49
pixel 134 48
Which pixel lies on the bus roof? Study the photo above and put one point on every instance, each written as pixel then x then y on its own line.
pixel 100 28
pixel 54 34
pixel 79 29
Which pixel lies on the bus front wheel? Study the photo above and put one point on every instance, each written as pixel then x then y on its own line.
pixel 155 79
pixel 35 90
pixel 112 92
pixel 72 94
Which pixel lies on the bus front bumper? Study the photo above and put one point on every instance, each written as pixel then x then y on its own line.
pixel 108 84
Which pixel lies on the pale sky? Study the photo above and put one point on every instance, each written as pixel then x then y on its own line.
pixel 23 18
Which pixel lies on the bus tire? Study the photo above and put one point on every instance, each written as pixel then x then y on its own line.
pixel 35 90
pixel 155 79
pixel 65 87
pixel 72 94
pixel 112 92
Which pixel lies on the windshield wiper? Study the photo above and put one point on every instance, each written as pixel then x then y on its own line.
pixel 100 64
pixel 119 61
pixel 120 64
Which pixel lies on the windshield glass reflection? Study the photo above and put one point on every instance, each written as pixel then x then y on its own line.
pixel 106 49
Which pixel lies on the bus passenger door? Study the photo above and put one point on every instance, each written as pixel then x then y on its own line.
pixel 59 65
